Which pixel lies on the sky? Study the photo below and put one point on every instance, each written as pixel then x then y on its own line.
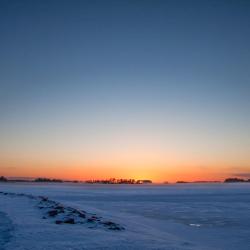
pixel 126 89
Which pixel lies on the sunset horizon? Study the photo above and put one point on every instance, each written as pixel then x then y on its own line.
pixel 83 173
pixel 125 89
pixel 124 124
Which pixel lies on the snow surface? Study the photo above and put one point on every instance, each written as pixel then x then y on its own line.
pixel 171 217
pixel 5 230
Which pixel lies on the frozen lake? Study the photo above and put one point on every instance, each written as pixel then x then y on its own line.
pixel 181 216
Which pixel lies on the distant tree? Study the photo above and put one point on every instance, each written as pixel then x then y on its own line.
pixel 119 181
pixel 146 181
pixel 47 180
pixel 230 180
pixel 143 182
pixel 3 179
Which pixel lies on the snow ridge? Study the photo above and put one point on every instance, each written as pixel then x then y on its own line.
pixel 60 214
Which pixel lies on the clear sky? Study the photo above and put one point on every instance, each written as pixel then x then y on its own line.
pixel 132 89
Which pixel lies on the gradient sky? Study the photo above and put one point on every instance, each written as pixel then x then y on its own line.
pixel 132 89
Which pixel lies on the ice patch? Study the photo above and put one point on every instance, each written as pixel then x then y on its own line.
pixel 194 225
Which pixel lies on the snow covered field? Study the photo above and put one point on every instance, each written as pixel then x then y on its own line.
pixel 184 216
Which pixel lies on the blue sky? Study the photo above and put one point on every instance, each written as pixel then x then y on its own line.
pixel 169 77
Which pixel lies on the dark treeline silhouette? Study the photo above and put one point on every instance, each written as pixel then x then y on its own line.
pixel 47 180
pixel 230 180
pixel 119 181
pixel 193 182
pixel 108 181
pixel 3 179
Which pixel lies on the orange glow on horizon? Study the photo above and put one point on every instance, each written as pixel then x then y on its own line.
pixel 158 174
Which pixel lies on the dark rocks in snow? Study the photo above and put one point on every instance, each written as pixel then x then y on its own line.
pixel 67 215
pixel 69 221
pixel 90 220
pixel 52 213
pixel 82 215
pixel 112 226
pixel 43 198
pixel 94 217
pixel 59 207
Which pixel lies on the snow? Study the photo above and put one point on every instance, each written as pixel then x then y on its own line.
pixel 183 216
pixel 5 229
